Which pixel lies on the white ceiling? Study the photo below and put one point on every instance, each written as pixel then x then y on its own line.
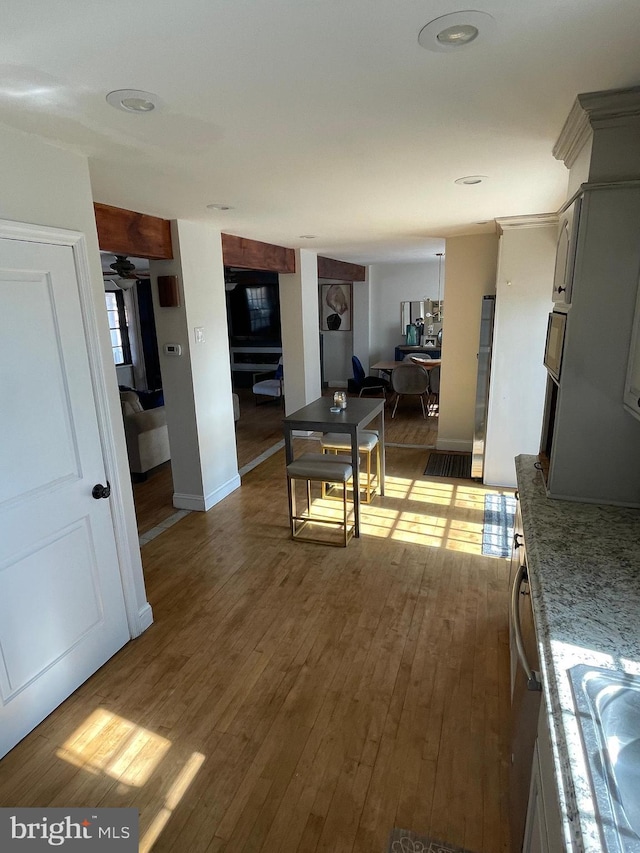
pixel 320 117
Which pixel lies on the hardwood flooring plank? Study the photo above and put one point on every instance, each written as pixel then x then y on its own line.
pixel 294 698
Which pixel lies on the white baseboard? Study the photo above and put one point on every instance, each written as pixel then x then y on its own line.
pixel 195 503
pixel 145 619
pixel 222 491
pixel 201 503
pixel 458 444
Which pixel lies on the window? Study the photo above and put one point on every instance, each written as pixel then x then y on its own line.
pixel 117 314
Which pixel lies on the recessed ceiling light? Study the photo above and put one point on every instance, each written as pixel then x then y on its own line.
pixel 471 180
pixel 308 236
pixel 219 207
pixel 457 30
pixel 133 100
pixel 458 34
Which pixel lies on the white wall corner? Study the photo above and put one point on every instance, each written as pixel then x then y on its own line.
pixel 145 620
pixel 222 492
pixel 201 503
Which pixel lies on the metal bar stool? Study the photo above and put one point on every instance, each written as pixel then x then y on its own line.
pixel 338 442
pixel 318 468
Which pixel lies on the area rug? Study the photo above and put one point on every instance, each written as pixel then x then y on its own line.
pixel 405 841
pixel 441 464
pixel 497 531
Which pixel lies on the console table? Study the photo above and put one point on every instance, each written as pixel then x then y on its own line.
pixel 401 351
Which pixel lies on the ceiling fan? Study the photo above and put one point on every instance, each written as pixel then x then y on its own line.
pixel 124 273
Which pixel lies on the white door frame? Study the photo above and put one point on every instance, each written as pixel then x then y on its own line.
pixel 138 618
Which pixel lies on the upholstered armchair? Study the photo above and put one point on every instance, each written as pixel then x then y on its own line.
pixel 272 387
pixel 146 434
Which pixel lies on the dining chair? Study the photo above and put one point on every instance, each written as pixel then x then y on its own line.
pixel 363 384
pixel 434 387
pixel 409 379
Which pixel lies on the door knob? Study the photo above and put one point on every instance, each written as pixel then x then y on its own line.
pixel 100 491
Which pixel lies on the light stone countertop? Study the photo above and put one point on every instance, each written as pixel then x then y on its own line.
pixel 584 570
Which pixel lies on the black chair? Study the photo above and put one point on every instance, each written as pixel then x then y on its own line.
pixel 362 384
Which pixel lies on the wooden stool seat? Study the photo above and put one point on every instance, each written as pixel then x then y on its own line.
pixel 369 440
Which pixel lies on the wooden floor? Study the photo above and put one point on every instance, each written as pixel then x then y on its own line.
pixel 296 697
pixel 260 428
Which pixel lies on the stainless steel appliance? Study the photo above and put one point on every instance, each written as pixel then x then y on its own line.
pixel 482 386
pixel 526 688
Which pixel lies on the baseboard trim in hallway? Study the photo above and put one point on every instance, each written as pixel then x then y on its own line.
pixel 149 535
pixel 259 459
pixel 164 525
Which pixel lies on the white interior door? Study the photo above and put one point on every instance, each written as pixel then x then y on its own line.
pixel 62 612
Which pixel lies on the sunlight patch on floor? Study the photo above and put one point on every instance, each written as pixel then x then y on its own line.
pixel 429 529
pixel 175 793
pixel 416 527
pixel 419 490
pixel 109 744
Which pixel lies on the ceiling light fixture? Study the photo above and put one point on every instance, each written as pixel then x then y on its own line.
pixel 308 236
pixel 457 30
pixel 133 100
pixel 458 34
pixel 219 207
pixel 471 180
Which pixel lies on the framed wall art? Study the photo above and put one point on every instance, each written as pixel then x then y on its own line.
pixel 335 307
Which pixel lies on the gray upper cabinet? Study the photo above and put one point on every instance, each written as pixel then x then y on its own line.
pixel 595 445
pixel 566 255
pixel 591 445
pixel 632 383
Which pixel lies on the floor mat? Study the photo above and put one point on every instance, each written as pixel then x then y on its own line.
pixel 405 841
pixel 497 531
pixel 441 464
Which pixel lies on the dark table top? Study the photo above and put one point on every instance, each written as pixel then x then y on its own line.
pixel 359 412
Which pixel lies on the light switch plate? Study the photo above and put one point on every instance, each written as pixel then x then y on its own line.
pixel 199 330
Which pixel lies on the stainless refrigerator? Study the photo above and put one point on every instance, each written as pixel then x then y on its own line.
pixel 482 386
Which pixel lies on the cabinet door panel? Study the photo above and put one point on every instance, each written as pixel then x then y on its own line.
pixel 632 383
pixel 535 832
pixel 566 255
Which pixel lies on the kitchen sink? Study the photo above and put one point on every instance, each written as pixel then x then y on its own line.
pixel 608 712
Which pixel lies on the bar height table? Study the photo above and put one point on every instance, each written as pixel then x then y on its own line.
pixel 359 413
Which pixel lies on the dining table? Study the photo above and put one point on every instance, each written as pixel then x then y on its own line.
pixel 359 413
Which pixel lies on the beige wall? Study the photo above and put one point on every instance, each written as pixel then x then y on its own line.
pixel 518 376
pixel 197 384
pixel 470 273
pixel 45 185
pixel 299 316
